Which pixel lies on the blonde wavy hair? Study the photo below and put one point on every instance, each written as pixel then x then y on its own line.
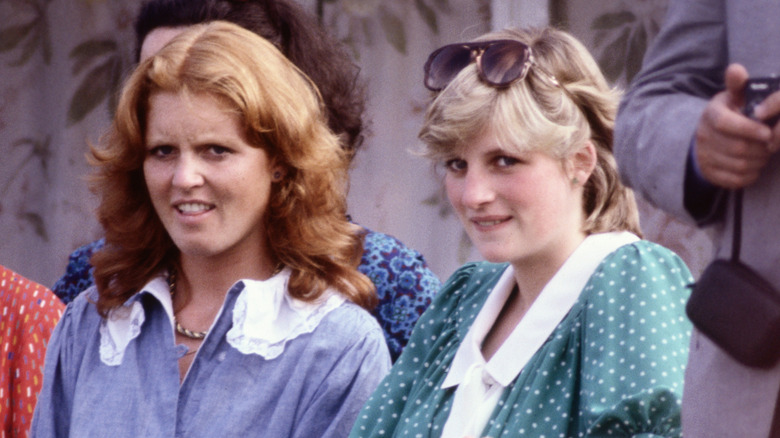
pixel 536 114
pixel 306 222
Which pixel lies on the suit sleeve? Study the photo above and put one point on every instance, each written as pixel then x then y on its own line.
pixel 658 116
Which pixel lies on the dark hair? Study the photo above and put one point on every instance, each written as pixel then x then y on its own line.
pixel 296 33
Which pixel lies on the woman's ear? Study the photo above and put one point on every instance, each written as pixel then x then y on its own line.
pixel 582 162
pixel 278 173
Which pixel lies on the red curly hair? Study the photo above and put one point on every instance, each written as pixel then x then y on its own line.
pixel 306 224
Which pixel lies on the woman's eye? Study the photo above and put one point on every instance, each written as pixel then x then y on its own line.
pixel 504 161
pixel 455 165
pixel 161 151
pixel 218 150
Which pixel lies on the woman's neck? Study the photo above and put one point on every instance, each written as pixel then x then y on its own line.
pixel 533 273
pixel 212 277
pixel 531 276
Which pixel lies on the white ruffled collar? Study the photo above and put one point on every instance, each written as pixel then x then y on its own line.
pixel 265 317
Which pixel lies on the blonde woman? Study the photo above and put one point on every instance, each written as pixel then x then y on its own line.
pixel 573 326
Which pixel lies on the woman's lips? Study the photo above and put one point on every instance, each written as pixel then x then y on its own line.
pixel 488 222
pixel 193 207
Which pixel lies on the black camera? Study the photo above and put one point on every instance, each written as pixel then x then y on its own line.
pixel 758 89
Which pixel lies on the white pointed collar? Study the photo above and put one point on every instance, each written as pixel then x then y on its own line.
pixel 544 315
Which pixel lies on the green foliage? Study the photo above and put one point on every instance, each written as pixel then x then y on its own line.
pixel 613 20
pixel 394 30
pixel 85 52
pixel 30 37
pixel 623 37
pixel 106 64
pixel 38 149
pixel 11 36
pixel 428 15
pixel 439 199
pixel 354 27
pixel 37 222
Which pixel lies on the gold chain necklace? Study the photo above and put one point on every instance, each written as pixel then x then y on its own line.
pixel 180 329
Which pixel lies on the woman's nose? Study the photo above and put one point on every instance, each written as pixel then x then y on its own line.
pixel 477 190
pixel 187 173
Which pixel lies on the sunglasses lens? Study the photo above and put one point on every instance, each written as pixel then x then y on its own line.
pixel 444 65
pixel 504 62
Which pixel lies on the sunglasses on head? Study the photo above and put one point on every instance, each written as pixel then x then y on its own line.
pixel 499 63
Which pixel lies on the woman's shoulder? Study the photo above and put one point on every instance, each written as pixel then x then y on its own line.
pixel 349 323
pixel 645 255
pixel 82 312
pixel 347 330
pixel 473 275
pixel 348 316
pixel 638 270
pixel 77 328
pixel 467 288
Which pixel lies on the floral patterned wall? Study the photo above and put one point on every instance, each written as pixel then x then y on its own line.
pixel 59 63
pixel 62 60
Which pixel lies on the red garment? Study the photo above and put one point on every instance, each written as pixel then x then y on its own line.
pixel 28 314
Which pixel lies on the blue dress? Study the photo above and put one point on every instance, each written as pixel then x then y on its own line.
pixel 404 284
pixel 120 378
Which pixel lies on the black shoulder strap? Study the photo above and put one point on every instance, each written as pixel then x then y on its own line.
pixel 736 241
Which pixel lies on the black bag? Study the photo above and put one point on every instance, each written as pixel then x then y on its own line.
pixel 736 308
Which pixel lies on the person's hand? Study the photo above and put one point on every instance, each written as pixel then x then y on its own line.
pixel 769 108
pixel 732 149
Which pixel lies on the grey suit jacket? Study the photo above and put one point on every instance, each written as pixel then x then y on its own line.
pixel 655 129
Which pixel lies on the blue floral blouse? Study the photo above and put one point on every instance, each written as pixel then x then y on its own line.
pixel 404 283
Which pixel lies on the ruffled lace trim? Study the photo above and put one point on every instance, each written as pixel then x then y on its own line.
pixel 265 317
pixel 122 326
pixel 124 323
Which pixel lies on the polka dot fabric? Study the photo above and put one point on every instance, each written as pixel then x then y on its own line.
pixel 613 367
pixel 28 314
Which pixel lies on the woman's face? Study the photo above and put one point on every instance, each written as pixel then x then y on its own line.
pixel 515 207
pixel 209 187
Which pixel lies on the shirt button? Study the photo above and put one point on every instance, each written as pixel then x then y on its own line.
pixel 221 357
pixel 181 350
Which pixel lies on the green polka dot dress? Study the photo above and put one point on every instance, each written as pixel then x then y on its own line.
pixel 614 366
